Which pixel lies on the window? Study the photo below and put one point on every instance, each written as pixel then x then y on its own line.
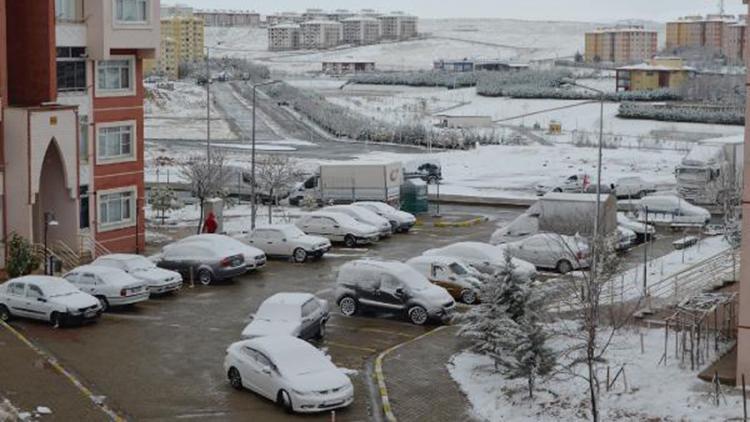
pixel 115 75
pixel 83 140
pixel 115 143
pixel 117 208
pixel 310 307
pixel 131 11
pixel 34 292
pixel 66 10
pixel 16 289
pixel 71 69
pixel 84 212
pixel 87 280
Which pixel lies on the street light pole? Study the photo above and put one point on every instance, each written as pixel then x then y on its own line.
pixel 253 202
pixel 208 108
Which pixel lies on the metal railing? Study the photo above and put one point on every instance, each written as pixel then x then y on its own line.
pixel 87 244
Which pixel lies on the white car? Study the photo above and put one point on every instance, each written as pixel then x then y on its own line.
pixel 484 257
pixel 48 299
pixel 338 228
pixel 363 215
pixel 525 225
pixel 552 251
pixel 642 231
pixel 160 281
pixel 633 187
pixel 575 184
pixel 672 209
pixel 287 240
pixel 401 221
pixel 289 371
pixel 296 314
pixel 626 238
pixel 111 286
pixel 254 258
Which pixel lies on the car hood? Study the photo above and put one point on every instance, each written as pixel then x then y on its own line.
pixel 404 217
pixel 75 300
pixel 156 276
pixel 435 296
pixel 319 380
pixel 263 327
pixel 312 241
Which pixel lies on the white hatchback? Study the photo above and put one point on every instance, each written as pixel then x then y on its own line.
pixel 363 215
pixel 287 240
pixel 112 287
pixel 289 371
pixel 338 228
pixel 401 221
pixel 159 280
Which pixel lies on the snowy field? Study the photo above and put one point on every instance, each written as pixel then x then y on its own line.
pixel 654 392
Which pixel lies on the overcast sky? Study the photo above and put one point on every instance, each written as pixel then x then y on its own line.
pixel 579 10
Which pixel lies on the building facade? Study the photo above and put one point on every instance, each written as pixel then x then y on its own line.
pixel 721 33
pixel 320 34
pixel 284 36
pixel 743 326
pixel 628 44
pixel 361 30
pixel 398 26
pixel 228 17
pixel 659 73
pixel 345 67
pixel 182 41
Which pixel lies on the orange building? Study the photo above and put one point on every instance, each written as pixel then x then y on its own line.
pixel 622 44
pixel 721 33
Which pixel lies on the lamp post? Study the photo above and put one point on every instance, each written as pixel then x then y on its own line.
pixel 253 210
pixel 49 221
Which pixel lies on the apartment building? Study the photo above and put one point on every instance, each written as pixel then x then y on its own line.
pixel 314 15
pixel 720 33
pixel 398 26
pixel 339 15
pixel 733 43
pixel 101 47
pixel 361 30
pixel 622 44
pixel 182 41
pixel 228 17
pixel 284 36
pixel 176 10
pixel 320 34
pixel 743 326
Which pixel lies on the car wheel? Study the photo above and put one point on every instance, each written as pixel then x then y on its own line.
pixel 285 401
pixel 469 297
pixel 4 314
pixel 235 379
pixel 557 190
pixel 350 241
pixel 321 331
pixel 205 277
pixel 564 266
pixel 348 306
pixel 56 320
pixel 300 255
pixel 103 303
pixel 418 315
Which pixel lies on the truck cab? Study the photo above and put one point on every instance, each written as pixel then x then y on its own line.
pixel 711 170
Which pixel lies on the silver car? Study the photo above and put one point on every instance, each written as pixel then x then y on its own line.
pixel 203 262
pixel 551 251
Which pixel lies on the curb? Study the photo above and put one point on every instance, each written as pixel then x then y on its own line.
pixel 64 372
pixel 382 388
pixel 466 223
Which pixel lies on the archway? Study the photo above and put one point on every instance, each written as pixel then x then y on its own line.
pixel 54 197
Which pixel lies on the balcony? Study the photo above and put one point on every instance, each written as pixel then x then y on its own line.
pixel 122 25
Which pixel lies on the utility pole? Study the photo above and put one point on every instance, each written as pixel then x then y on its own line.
pixel 208 108
pixel 253 202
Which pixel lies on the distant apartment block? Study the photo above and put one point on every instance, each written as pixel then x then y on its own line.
pixel 398 26
pixel 284 36
pixel 361 30
pixel 721 33
pixel 658 73
pixel 182 41
pixel 346 67
pixel 318 34
pixel 621 44
pixel 340 15
pixel 228 17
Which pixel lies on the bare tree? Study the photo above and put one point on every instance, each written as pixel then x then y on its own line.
pixel 276 174
pixel 206 180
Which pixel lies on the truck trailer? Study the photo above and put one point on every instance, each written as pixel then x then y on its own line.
pixel 711 170
pixel 347 183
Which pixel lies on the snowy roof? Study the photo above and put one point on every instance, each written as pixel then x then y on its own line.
pixel 286 26
pixel 360 19
pixel 289 298
pixel 657 68
pixel 321 22
pixel 703 154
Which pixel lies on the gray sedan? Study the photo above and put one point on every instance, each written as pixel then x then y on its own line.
pixel 202 262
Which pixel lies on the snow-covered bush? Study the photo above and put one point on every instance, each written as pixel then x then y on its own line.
pixel 495 84
pixel 673 113
pixel 424 78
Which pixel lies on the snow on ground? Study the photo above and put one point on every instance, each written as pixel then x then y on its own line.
pixel 236 218
pixel 654 392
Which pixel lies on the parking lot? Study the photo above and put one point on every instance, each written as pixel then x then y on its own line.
pixel 162 359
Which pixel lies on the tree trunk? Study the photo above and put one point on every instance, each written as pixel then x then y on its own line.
pixel 270 206
pixel 200 220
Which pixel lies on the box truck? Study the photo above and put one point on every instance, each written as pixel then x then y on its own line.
pixel 346 183
pixel 711 170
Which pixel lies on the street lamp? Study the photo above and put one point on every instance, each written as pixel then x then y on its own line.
pixel 253 210
pixel 49 221
pixel 208 104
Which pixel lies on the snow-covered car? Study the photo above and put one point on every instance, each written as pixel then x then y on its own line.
pixel 296 314
pixel 254 258
pixel 574 183
pixel 338 228
pixel 365 216
pixel 287 240
pixel 642 231
pixel 626 238
pixel 552 251
pixel 159 281
pixel 48 299
pixel 672 209
pixel 391 286
pixel 290 372
pixel 401 221
pixel 459 279
pixel 633 187
pixel 525 225
pixel 203 261
pixel 484 257
pixel 111 286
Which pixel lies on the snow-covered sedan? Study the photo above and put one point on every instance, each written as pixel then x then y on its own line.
pixel 254 257
pixel 48 299
pixel 484 257
pixel 626 238
pixel 296 314
pixel 552 251
pixel 633 187
pixel 575 183
pixel 672 209
pixel 289 371
pixel 338 228
pixel 111 286
pixel 287 240
pixel 401 221
pixel 365 216
pixel 160 281
pixel 642 231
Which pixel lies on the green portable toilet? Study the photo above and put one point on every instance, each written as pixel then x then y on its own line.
pixel 414 196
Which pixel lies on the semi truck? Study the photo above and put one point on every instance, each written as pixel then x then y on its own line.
pixel 347 183
pixel 711 170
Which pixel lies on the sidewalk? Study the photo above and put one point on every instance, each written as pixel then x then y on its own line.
pixel 420 387
pixel 28 381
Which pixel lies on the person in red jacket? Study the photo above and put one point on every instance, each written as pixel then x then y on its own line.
pixel 210 225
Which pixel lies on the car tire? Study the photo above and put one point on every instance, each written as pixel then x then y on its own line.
pixel 350 241
pixel 299 255
pixel 469 297
pixel 557 190
pixel 5 315
pixel 564 266
pixel 348 306
pixel 205 277
pixel 235 379
pixel 321 331
pixel 285 401
pixel 56 320
pixel 103 303
pixel 418 315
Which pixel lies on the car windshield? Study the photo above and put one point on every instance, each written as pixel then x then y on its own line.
pixel 412 278
pixel 59 289
pixel 292 232
pixel 138 263
pixel 458 269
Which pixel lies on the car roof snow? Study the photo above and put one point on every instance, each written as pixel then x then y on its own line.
pixel 298 299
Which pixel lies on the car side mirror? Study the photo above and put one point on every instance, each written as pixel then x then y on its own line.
pixel 399 291
pixel 266 370
pixel 336 226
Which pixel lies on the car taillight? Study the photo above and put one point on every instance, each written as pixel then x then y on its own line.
pixel 226 262
pixel 124 292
